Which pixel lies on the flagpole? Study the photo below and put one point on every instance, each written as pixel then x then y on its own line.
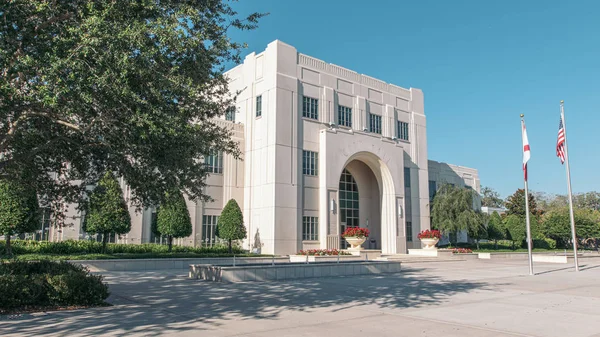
pixel 529 243
pixel 571 215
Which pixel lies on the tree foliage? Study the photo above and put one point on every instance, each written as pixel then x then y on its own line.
pixel 491 198
pixel 173 218
pixel 477 226
pixel 515 229
pixel 515 204
pixel 453 210
pixel 106 211
pixel 19 210
pixel 495 228
pixel 129 87
pixel 231 223
pixel 557 224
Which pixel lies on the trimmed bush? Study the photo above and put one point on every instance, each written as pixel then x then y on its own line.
pixel 42 284
pixel 72 247
pixel 544 243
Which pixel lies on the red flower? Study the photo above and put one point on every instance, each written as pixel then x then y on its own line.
pixel 322 252
pixel 356 231
pixel 429 234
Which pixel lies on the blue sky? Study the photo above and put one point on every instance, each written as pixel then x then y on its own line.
pixel 479 63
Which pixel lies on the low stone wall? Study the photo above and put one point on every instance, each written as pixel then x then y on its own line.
pixel 289 271
pixel 162 264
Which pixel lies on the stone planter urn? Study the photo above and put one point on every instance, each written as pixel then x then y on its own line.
pixel 355 242
pixel 429 244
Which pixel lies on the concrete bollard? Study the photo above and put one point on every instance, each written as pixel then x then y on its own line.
pixel 234 260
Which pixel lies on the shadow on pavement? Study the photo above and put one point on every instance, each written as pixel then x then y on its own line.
pixel 153 304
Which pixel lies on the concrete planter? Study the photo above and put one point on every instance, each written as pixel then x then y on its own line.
pixel 355 242
pixel 323 258
pixel 429 244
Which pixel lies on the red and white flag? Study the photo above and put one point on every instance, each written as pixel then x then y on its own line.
pixel 526 150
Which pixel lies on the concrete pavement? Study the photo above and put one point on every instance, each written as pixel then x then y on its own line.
pixel 461 298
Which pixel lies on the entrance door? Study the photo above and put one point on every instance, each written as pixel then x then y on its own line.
pixel 348 190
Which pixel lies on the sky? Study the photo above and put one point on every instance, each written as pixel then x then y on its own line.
pixel 480 65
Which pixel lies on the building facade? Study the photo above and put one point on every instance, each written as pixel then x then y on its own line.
pixel 324 148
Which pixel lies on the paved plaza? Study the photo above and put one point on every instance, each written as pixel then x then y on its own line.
pixel 462 298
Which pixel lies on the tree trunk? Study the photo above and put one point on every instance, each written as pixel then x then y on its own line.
pixel 104 241
pixel 8 247
pixel 496 244
pixel 170 240
pixel 230 250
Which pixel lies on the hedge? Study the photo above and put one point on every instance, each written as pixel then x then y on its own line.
pixel 81 247
pixel 37 285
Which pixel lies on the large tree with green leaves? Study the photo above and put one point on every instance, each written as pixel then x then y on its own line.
pixel 231 223
pixel 495 228
pixel 557 224
pixel 124 86
pixel 453 210
pixel 173 218
pixel 515 204
pixel 477 226
pixel 515 229
pixel 490 198
pixel 19 210
pixel 106 210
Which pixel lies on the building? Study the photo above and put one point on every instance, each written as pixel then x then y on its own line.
pixel 324 148
pixel 491 210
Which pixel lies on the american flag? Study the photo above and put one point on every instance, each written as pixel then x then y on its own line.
pixel 560 142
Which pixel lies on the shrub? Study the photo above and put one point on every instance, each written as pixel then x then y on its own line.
pixel 71 247
pixel 35 285
pixel 545 243
pixel 461 251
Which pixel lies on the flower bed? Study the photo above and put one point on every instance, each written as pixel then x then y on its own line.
pixel 356 232
pixel 461 251
pixel 323 252
pixel 429 234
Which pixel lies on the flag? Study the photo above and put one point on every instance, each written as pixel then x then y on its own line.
pixel 560 142
pixel 526 151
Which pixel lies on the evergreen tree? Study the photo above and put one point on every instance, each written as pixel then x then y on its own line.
pixel 173 218
pixel 107 211
pixel 19 210
pixel 515 228
pixel 231 223
pixel 495 229
pixel 515 204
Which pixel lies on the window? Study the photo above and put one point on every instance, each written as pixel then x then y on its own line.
pixel 214 162
pixel 230 114
pixel 310 107
pixel 310 228
pixel 406 177
pixel 402 130
pixel 209 226
pixel 348 199
pixel 409 231
pixel 310 163
pixel 344 116
pixel 374 123
pixel 432 189
pixel 258 106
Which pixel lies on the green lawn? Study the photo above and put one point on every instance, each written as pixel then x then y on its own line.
pixel 60 257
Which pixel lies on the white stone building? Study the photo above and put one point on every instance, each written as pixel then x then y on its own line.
pixel 323 148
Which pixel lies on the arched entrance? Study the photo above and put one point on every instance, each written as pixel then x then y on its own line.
pixel 359 199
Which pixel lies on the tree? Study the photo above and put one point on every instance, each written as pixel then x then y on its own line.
pixel 19 210
pixel 495 229
pixel 130 87
pixel 515 228
pixel 231 223
pixel 477 225
pixel 491 198
pixel 106 211
pixel 173 218
pixel 515 204
pixel 557 224
pixel 453 210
